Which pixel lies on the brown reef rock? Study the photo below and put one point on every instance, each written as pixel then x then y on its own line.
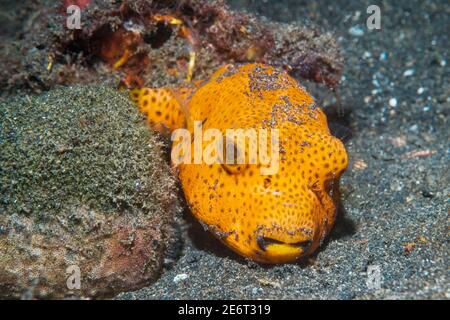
pixel 84 186
pixel 153 50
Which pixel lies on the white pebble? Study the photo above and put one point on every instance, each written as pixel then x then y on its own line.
pixel 180 277
pixel 408 73
pixel 367 55
pixel 356 31
pixel 420 90
pixel 383 56
pixel 393 102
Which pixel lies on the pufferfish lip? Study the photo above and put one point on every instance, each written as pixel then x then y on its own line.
pixel 265 242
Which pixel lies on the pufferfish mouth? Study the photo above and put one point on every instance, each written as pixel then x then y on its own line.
pixel 265 242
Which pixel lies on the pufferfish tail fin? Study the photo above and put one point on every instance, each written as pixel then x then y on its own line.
pixel 165 108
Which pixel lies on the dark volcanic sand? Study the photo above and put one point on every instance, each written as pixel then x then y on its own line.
pixel 396 199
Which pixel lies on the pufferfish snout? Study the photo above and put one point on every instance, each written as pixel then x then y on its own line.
pixel 272 218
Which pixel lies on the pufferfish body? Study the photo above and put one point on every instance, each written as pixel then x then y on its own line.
pixel 270 218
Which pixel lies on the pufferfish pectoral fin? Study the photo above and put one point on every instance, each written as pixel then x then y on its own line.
pixel 165 108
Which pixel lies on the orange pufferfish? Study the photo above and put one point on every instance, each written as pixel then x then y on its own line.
pixel 268 218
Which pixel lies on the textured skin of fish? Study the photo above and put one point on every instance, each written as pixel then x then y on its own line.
pixel 268 218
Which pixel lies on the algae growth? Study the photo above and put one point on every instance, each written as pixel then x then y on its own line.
pixel 83 181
